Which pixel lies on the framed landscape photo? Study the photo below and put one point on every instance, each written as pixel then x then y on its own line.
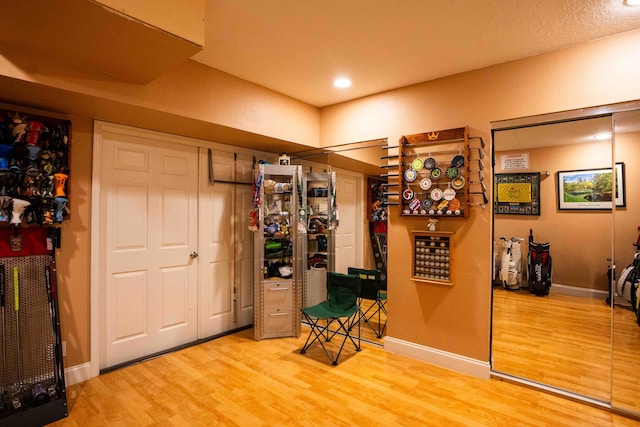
pixel 591 189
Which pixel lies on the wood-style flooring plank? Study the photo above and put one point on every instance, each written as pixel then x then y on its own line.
pixel 237 381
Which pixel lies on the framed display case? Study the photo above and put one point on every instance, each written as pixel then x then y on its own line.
pixel 517 193
pixel 277 271
pixel 433 255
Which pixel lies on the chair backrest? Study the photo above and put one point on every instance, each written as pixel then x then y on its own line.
pixel 342 290
pixel 371 282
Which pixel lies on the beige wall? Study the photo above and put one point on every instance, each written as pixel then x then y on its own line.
pixel 453 319
pixel 191 99
pixel 74 257
pixel 457 319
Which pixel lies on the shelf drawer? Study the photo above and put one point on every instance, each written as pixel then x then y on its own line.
pixel 278 294
pixel 278 320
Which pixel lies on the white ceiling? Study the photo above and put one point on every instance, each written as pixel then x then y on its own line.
pixel 297 47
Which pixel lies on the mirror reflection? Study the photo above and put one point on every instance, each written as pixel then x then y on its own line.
pixel 625 388
pixel 550 187
pixel 326 250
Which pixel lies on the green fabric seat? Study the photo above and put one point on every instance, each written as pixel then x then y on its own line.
pixel 340 309
pixel 374 288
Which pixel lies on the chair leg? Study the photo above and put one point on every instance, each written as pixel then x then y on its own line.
pixel 383 309
pixel 313 324
pixel 344 326
pixel 378 308
pixel 319 333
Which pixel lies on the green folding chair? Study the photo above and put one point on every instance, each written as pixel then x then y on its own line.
pixel 373 288
pixel 340 308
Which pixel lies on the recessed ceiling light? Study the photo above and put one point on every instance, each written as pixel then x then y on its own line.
pixel 342 82
pixel 632 2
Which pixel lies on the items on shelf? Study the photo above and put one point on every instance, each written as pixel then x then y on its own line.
pixel 277 274
pixel 318 244
pixel 34 168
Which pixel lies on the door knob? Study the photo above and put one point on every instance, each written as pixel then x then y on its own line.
pixel 194 255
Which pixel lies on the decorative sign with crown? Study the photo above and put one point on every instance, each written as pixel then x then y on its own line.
pixel 438 172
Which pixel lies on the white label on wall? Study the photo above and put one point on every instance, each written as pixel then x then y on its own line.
pixel 513 162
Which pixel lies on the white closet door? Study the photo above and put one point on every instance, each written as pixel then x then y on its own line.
pixel 243 242
pixel 149 205
pixel 225 275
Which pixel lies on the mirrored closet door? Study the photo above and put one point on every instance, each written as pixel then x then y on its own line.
pixel 550 186
pixel 625 389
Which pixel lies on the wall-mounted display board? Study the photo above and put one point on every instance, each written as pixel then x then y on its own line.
pixel 34 168
pixel 432 257
pixel 517 193
pixel 435 170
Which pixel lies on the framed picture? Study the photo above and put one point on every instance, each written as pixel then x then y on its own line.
pixel 590 189
pixel 517 193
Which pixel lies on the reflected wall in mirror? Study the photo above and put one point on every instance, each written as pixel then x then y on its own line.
pixel 625 388
pixel 562 339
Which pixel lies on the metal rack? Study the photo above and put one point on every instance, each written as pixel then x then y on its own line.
pixel 277 257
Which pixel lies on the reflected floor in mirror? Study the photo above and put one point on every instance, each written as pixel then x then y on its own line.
pixel 559 340
pixel 626 358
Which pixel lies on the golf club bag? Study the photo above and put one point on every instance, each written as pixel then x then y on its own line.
pixel 540 267
pixel 511 265
pixel 627 284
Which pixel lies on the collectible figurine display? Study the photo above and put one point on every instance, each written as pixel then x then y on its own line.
pixel 34 156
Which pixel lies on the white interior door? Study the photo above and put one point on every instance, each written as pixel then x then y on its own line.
pixel 349 232
pixel 243 242
pixel 149 228
pixel 225 246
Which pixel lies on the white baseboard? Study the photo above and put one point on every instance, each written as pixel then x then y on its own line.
pixel 578 292
pixel 444 359
pixel 77 374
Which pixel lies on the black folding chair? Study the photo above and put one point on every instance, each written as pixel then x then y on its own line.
pixel 374 289
pixel 340 309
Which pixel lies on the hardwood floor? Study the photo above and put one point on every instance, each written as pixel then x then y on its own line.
pixel 238 381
